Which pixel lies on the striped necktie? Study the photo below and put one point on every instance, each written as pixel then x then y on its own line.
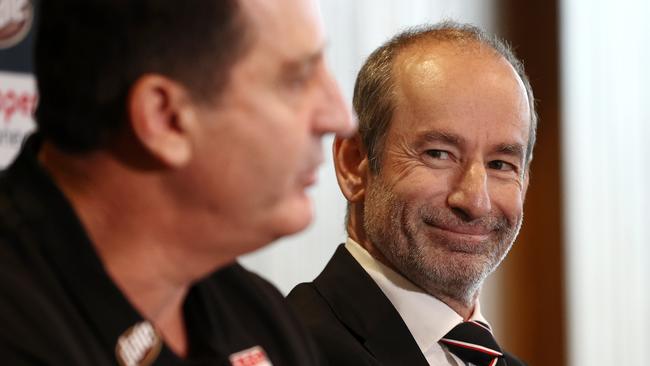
pixel 473 342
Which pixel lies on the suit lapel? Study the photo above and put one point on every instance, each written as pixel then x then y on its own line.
pixel 360 304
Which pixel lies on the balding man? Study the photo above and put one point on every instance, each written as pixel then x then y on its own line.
pixel 435 182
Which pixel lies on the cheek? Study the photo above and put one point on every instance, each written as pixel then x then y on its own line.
pixel 269 145
pixel 509 200
pixel 282 137
pixel 424 187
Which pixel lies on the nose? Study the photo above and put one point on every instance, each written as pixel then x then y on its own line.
pixel 334 114
pixel 470 196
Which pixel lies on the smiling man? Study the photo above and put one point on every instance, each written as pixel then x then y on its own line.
pixel 435 181
pixel 172 137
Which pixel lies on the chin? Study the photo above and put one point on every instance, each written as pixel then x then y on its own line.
pixel 295 216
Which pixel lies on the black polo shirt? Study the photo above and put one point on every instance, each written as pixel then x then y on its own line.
pixel 58 306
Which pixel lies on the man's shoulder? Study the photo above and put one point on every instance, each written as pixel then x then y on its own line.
pixel 237 281
pixel 339 289
pixel 251 309
pixel 39 320
pixel 339 343
pixel 324 306
pixel 312 308
pixel 246 292
pixel 36 326
pixel 351 319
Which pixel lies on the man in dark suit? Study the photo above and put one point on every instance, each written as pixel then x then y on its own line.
pixel 435 182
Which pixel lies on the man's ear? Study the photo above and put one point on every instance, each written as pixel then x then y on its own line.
pixel 351 165
pixel 161 115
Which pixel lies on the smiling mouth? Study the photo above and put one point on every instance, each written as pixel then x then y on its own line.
pixel 468 235
pixel 474 230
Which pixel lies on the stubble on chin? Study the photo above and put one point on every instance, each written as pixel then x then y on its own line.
pixel 444 269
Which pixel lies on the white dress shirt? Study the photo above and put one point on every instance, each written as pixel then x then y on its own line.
pixel 427 318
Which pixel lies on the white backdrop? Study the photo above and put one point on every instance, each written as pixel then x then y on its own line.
pixel 355 28
pixel 606 150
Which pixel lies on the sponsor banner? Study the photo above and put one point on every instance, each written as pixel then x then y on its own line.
pixel 17 102
pixel 17 18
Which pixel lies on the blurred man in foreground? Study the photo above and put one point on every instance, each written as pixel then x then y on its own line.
pixel 173 136
pixel 435 181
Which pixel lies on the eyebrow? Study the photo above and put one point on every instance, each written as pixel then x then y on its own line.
pixel 440 136
pixel 516 149
pixel 302 62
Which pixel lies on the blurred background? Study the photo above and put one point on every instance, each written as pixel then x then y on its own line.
pixel 575 289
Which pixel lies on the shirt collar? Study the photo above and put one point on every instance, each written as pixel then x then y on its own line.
pixel 427 318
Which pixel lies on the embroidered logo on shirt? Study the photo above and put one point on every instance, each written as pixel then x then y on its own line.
pixel 138 346
pixel 254 356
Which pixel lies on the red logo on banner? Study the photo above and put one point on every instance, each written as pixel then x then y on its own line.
pixel 15 21
pixel 13 102
pixel 254 356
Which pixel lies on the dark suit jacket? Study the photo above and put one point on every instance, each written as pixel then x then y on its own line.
pixel 352 320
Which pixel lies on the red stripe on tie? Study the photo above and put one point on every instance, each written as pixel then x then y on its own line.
pixel 473 347
pixel 480 325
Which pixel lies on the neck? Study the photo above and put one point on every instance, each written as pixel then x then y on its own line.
pixel 137 234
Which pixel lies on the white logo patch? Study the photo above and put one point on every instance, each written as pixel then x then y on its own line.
pixel 254 356
pixel 138 346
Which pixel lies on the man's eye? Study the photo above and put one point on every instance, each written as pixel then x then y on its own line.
pixel 297 81
pixel 438 154
pixel 501 165
pixel 299 78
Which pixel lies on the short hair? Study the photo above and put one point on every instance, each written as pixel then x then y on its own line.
pixel 88 55
pixel 375 85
